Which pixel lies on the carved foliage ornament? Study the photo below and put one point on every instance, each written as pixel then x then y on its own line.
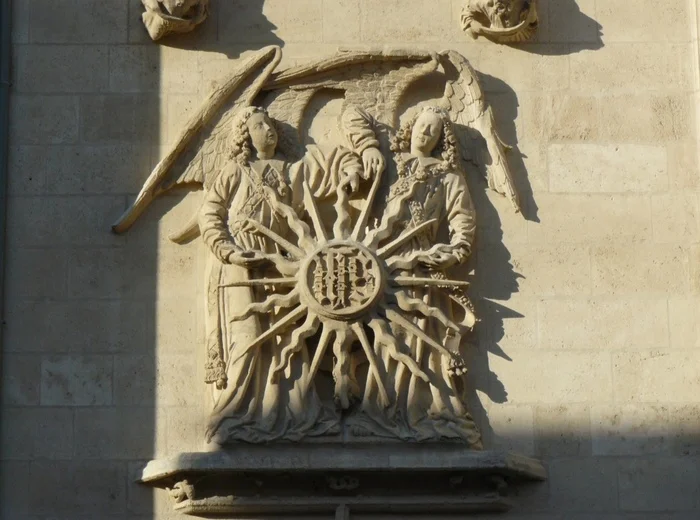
pixel 503 21
pixel 328 305
pixel 163 17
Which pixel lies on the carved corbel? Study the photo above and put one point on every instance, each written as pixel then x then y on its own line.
pixel 163 17
pixel 502 21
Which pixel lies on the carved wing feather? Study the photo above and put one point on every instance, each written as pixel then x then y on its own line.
pixel 373 80
pixel 474 123
pixel 200 151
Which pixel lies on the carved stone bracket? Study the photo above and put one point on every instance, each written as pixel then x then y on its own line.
pixel 163 17
pixel 290 479
pixel 502 21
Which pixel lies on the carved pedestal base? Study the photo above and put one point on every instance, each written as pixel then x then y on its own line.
pixel 289 479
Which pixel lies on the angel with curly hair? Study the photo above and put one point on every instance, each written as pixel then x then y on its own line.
pixel 251 403
pixel 430 187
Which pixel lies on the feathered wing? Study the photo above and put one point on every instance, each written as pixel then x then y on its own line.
pixel 373 80
pixel 200 151
pixel 475 125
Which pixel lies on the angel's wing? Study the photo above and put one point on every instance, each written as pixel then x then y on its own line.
pixel 475 125
pixel 200 151
pixel 375 80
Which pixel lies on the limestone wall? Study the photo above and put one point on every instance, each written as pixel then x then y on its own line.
pixel 588 351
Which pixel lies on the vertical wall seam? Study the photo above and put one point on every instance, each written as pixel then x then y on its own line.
pixel 5 54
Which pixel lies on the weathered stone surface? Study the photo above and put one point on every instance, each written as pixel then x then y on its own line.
pixel 37 433
pixel 563 430
pixel 618 269
pixel 580 377
pixel 589 484
pixel 632 430
pixel 42 69
pixel 76 381
pixel 660 484
pixel 45 120
pixel 656 376
pixel 77 21
pixel 600 105
pixel 603 324
pixel 606 168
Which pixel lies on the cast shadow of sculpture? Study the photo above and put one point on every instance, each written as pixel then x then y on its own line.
pixel 570 32
pixel 495 278
pixel 232 28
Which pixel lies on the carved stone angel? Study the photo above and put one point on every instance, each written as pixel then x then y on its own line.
pixel 430 188
pixel 304 284
pixel 255 404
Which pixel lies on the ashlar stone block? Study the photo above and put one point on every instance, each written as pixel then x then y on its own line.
pixel 76 381
pixel 597 168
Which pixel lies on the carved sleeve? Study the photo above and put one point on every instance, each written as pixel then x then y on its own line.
pixel 213 215
pixel 358 127
pixel 461 217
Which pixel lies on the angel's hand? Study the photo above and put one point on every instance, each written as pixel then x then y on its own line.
pixel 248 259
pixel 440 256
pixel 373 162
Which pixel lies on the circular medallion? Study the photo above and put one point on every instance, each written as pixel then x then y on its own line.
pixel 341 280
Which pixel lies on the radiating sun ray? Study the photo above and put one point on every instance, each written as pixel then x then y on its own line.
pixel 413 281
pixel 285 244
pixel 341 369
pixel 341 228
pixel 374 368
pixel 320 351
pixel 415 305
pixel 261 281
pixel 405 237
pixel 296 341
pixel 312 210
pixel 396 318
pixel 361 224
pixel 383 336
pixel 296 224
pixel 270 333
pixel 386 226
pixel 275 300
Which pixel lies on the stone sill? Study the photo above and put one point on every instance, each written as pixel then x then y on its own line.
pixel 306 478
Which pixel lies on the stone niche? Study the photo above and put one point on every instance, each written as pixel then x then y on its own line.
pixel 338 220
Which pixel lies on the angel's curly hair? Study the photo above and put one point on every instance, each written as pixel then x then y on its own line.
pixel 240 136
pixel 446 148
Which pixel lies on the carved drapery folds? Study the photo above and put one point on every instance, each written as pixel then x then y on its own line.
pixel 163 17
pixel 329 306
pixel 502 21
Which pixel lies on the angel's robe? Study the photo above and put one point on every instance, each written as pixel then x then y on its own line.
pixel 424 410
pixel 255 406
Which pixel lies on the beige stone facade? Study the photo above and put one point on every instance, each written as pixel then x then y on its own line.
pixel 587 352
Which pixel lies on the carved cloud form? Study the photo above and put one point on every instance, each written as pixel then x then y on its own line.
pixel 163 17
pixel 502 21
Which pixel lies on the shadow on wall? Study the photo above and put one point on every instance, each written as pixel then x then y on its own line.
pixel 563 22
pixel 232 28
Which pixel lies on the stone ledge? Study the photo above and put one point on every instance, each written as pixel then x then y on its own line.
pixel 290 478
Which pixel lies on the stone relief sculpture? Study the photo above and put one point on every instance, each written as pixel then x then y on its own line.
pixel 329 307
pixel 503 21
pixel 163 17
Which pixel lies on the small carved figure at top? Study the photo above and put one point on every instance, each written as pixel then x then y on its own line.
pixel 502 21
pixel 163 17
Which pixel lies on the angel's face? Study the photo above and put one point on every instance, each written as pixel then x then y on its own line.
pixel 263 135
pixel 426 133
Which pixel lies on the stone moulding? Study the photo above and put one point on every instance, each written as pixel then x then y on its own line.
pixel 501 21
pixel 323 478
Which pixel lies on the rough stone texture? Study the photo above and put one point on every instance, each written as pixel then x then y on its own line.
pixel 601 331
